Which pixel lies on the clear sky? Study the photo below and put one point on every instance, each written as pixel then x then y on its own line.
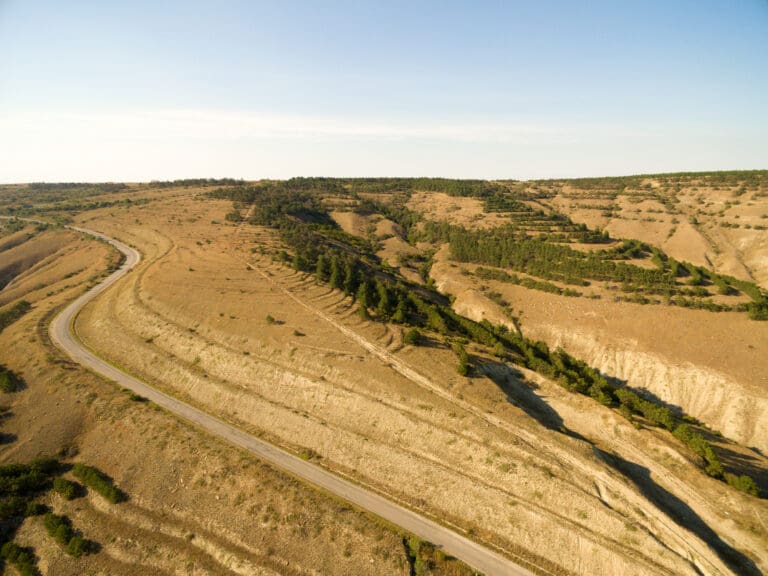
pixel 127 91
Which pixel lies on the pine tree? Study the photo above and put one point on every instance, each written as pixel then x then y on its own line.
pixel 351 277
pixel 384 306
pixel 321 270
pixel 336 272
pixel 401 315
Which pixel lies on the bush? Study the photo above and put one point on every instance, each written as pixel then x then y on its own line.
pixel 412 337
pixel 58 527
pixel 743 483
pixel 98 481
pixel 9 316
pixel 461 353
pixel 66 488
pixel 22 558
pixel 35 509
pixel 9 381
pixel 12 506
pixel 77 546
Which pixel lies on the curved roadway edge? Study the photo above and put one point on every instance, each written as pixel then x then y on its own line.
pixel 472 553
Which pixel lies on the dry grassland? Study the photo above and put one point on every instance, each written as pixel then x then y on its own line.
pixel 197 506
pixel 483 453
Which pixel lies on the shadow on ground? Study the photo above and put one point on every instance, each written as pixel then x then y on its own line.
pixel 680 512
pixel 523 394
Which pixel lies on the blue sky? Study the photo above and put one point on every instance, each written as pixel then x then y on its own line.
pixel 141 90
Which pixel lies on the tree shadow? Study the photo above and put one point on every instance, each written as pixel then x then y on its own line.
pixel 427 341
pixel 680 512
pixel 642 392
pixel 736 459
pixel 740 460
pixel 7 438
pixel 522 393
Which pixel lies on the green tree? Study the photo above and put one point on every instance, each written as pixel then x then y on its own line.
pixel 461 353
pixel 412 337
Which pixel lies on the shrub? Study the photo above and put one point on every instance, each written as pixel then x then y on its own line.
pixel 22 558
pixel 412 337
pixel 743 483
pixel 35 509
pixel 9 316
pixel 58 527
pixel 77 546
pixel 66 488
pixel 461 353
pixel 98 481
pixel 12 506
pixel 308 454
pixel 9 381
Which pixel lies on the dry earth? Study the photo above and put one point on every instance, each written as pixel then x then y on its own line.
pixel 197 506
pixel 483 453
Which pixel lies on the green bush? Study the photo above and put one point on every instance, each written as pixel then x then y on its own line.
pixel 412 337
pixel 743 483
pixel 22 558
pixel 9 316
pixel 66 488
pixel 35 509
pixel 59 528
pixel 77 546
pixel 9 380
pixel 12 506
pixel 98 481
pixel 464 366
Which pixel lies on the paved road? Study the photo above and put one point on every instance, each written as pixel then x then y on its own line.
pixel 477 556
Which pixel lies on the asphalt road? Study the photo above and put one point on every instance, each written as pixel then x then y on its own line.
pixel 472 553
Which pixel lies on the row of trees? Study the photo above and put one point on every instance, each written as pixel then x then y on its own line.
pixel 538 257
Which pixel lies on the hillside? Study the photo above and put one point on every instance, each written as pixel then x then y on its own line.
pixel 528 361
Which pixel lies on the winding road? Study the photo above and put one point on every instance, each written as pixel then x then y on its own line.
pixel 62 334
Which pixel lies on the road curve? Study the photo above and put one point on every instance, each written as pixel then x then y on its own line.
pixel 472 553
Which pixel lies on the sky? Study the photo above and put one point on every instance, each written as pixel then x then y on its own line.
pixel 159 90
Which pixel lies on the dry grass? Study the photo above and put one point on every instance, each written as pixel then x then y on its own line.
pixel 469 451
pixel 197 506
